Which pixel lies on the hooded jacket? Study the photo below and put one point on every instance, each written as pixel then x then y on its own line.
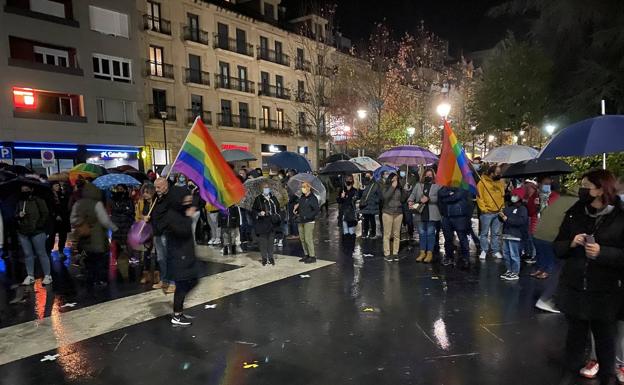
pixel 491 197
pixel 35 218
pixel 181 259
pixel 308 208
pixel 89 209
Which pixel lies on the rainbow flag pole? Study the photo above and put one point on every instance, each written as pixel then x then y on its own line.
pixel 454 167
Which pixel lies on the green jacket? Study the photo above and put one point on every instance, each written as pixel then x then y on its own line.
pixel 85 210
pixel 552 217
pixel 35 216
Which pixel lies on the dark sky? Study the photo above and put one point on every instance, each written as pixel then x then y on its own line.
pixel 463 22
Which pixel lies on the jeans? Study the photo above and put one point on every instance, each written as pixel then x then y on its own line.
pixel 427 235
pixel 511 253
pixel 182 289
pixel 160 244
pixel 604 332
pixel 230 236
pixel 346 229
pixel 369 225
pixel 35 245
pixel 215 231
pixel 545 255
pixel 471 232
pixel 392 229
pixel 306 234
pixel 490 222
pixel 529 247
pixel 194 225
pixel 265 244
pixel 450 226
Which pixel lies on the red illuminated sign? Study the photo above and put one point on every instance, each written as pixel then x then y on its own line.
pixel 24 98
pixel 226 146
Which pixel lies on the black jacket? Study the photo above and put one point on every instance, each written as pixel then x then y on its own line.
pixel 173 197
pixel 271 220
pixel 370 198
pixel 122 215
pixel 591 288
pixel 308 208
pixel 454 202
pixel 347 205
pixel 517 223
pixel 59 207
pixel 230 219
pixel 181 260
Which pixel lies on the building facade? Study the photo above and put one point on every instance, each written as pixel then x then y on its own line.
pixel 240 67
pixel 71 82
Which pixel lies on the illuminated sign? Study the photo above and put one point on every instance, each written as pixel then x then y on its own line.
pixel 24 98
pixel 302 150
pixel 114 155
pixel 6 153
pixel 235 146
pixel 273 148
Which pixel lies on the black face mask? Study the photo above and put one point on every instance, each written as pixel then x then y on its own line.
pixel 584 195
pixel 118 195
pixel 349 183
pixel 428 179
pixel 496 177
pixel 25 195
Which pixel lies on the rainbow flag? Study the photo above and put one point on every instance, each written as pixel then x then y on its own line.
pixel 453 169
pixel 201 161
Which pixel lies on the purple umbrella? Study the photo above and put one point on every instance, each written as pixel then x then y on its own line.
pixel 408 155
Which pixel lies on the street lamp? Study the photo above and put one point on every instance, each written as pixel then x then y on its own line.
pixel 473 128
pixel 443 109
pixel 163 117
pixel 550 129
pixel 410 132
pixel 362 113
pixel 346 130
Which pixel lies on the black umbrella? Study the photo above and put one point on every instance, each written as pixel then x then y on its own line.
pixel 537 167
pixel 6 175
pixel 16 168
pixel 13 187
pixel 335 157
pixel 342 167
pixel 138 175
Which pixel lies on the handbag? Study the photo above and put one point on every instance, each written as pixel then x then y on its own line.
pixel 276 219
pixel 419 207
pixel 364 202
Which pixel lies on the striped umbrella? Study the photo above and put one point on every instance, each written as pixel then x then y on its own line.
pixel 86 170
pixel 408 155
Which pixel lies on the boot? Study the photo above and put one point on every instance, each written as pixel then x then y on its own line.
pixel 145 277
pixel 233 247
pixel 170 289
pixel 310 260
pixel 158 284
pixel 428 257
pixel 225 250
pixel 421 256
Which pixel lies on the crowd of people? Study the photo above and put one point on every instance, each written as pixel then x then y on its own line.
pixel 530 221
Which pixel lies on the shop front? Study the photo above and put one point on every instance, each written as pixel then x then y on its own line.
pixel 268 150
pixel 109 157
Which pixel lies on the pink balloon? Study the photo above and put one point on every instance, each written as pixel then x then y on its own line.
pixel 139 233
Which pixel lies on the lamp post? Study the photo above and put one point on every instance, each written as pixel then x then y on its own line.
pixel 410 133
pixel 361 114
pixel 443 109
pixel 346 130
pixel 163 117
pixel 491 139
pixel 473 128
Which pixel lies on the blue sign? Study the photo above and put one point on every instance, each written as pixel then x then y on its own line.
pixel 6 153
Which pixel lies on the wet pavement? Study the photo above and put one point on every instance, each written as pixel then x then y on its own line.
pixel 359 321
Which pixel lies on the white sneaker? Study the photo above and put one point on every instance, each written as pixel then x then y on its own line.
pixel 239 250
pixel 511 277
pixel 211 242
pixel 482 255
pixel 498 255
pixel 619 373
pixel 217 242
pixel 548 306
pixel 280 243
pixel 590 370
pixel 505 274
pixel 47 280
pixel 28 280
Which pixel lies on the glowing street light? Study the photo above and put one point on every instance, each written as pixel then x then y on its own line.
pixel 411 131
pixel 443 109
pixel 361 114
pixel 473 128
pixel 550 129
pixel 522 132
pixel 515 138
pixel 491 138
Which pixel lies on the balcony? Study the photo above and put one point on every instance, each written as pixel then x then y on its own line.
pixel 306 130
pixel 274 91
pixel 276 128
pixel 230 83
pixel 156 24
pixel 303 97
pixel 57 12
pixel 155 110
pixel 228 120
pixel 196 35
pixel 191 114
pixel 196 76
pixel 303 65
pixel 324 71
pixel 273 56
pixel 233 45
pixel 158 69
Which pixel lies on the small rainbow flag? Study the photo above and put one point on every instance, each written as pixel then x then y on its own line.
pixel 201 161
pixel 453 169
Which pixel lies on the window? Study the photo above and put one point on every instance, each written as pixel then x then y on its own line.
pixel 224 70
pixel 264 82
pixel 112 111
pixel 243 112
pixel 269 10
pixel 242 75
pixel 266 114
pixel 112 68
pixel 54 8
pixel 195 69
pixel 193 24
pixel 279 85
pixel 226 112
pixel 223 33
pixel 278 50
pixel 241 41
pixel 318 30
pixel 159 98
pixel 51 56
pixel 300 87
pixel 30 101
pixel 302 120
pixel 320 61
pixel 153 16
pixel 300 55
pixel 264 46
pixel 156 60
pixel 280 118
pixel 197 105
pixel 108 22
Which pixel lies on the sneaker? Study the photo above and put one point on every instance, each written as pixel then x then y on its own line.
pixel 547 305
pixel 211 242
pixel 217 242
pixel 310 260
pixel 619 373
pixel 303 259
pixel 505 275
pixel 512 277
pixel 388 259
pixel 530 261
pixel 28 280
pixel 482 255
pixel 280 243
pixel 590 370
pixel 498 255
pixel 170 289
pixel 239 250
pixel 395 259
pixel 158 285
pixel 180 320
pixel 447 261
pixel 47 280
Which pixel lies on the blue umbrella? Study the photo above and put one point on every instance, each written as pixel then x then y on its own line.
pixel 109 180
pixel 603 134
pixel 288 160
pixel 377 174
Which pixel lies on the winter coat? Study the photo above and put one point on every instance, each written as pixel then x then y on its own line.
pixel 432 205
pixel 491 197
pixel 89 209
pixel 141 208
pixel 308 208
pixel 454 202
pixel 370 198
pixel 517 223
pixel 230 219
pixel 269 222
pixel 59 208
pixel 36 216
pixel 122 215
pixel 347 205
pixel 163 203
pixel 181 260
pixel 591 288
pixel 552 217
pixel 393 199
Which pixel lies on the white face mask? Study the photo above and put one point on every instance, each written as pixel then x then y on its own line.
pixel 266 191
pixel 515 199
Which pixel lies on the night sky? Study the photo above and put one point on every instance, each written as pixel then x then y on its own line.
pixel 463 22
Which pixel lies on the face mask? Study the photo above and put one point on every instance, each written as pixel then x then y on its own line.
pixel 497 177
pixel 118 195
pixel 182 179
pixel 349 183
pixel 428 179
pixel 266 191
pixel 546 188
pixel 584 195
pixel 367 179
pixel 515 199
pixel 402 174
pixel 477 166
pixel 25 194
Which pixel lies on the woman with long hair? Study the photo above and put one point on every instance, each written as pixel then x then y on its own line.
pixel 424 201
